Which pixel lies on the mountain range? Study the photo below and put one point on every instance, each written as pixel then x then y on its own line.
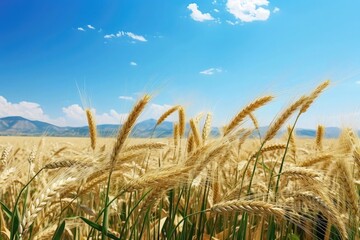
pixel 19 126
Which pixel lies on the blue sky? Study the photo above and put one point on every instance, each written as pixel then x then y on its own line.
pixel 206 55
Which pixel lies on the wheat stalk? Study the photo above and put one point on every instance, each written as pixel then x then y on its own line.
pixel 292 142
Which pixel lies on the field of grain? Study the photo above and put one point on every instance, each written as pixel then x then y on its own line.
pixel 241 185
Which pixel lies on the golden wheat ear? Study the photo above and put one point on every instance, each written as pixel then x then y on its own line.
pixel 319 137
pixel 318 90
pixel 284 116
pixel 127 126
pixel 181 121
pixel 167 114
pixel 245 112
pixel 195 132
pixel 207 127
pixel 251 207
pixel 92 128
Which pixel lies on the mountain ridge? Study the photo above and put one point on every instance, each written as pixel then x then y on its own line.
pixel 20 126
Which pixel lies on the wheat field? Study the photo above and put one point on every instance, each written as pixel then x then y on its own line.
pixel 240 185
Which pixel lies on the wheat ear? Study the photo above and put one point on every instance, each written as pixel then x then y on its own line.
pixel 195 132
pixel 181 121
pixel 314 160
pixel 275 127
pixel 292 142
pixel 207 127
pixel 163 178
pixel 301 173
pixel 319 137
pixel 176 134
pixel 5 154
pixel 5 175
pixel 251 207
pixel 273 147
pixel 314 95
pixel 92 128
pixel 245 111
pixel 254 121
pixel 356 155
pixel 167 114
pixel 42 200
pixel 323 206
pixel 152 145
pixel 347 183
pixel 65 164
pixel 128 125
pixel 190 143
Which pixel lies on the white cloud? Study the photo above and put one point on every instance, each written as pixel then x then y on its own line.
pixel 197 15
pixel 109 36
pixel 75 116
pixel 276 9
pixel 128 34
pixel 249 10
pixel 357 82
pixel 136 37
pixel 75 112
pixel 29 110
pixel 120 34
pixel 112 117
pixel 91 27
pixel 25 109
pixel 126 98
pixel 232 23
pixel 133 63
pixel 81 29
pixel 211 71
pixel 216 10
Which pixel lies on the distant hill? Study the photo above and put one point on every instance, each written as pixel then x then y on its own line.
pixel 22 126
pixel 19 126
